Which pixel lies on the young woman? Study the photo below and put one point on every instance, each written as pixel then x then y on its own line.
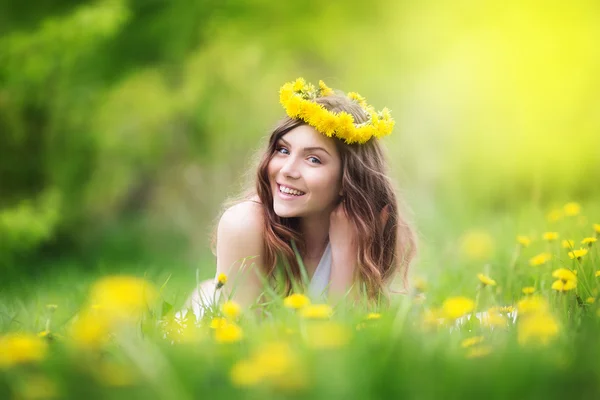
pixel 322 196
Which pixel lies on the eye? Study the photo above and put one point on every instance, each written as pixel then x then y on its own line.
pixel 280 149
pixel 315 158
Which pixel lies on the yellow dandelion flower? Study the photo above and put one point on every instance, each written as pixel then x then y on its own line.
pixel 578 253
pixel 524 241
pixel 564 286
pixel 472 341
pixel 91 330
pixel 221 280
pixel 572 209
pixel 231 309
pixel 597 274
pixel 324 90
pixel 228 333
pixel 528 290
pixel 373 316
pixel 477 245
pixel 217 322
pixel 554 215
pixel 327 335
pixel 296 301
pixel 294 106
pixel 568 244
pixel 540 259
pixel 299 85
pixel 358 98
pixel 564 274
pixel 420 284
pixel 122 296
pixel 537 328
pixel 590 300
pixel 597 228
pixel 486 280
pixel 21 349
pixel 589 241
pixel 456 307
pixel 478 352
pixel 244 373
pixel 532 304
pixel 316 311
pixel 550 236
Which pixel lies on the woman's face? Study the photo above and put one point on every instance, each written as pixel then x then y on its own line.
pixel 307 164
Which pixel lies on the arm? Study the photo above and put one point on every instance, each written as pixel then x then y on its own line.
pixel 239 251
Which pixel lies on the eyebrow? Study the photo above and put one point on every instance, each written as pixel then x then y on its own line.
pixel 306 148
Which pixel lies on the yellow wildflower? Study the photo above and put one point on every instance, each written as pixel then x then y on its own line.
pixel 540 259
pixel 228 333
pixel 244 373
pixel 472 341
pixel 122 296
pixel 477 245
pixel 21 349
pixel 456 307
pixel 578 253
pixel 572 209
pixel 524 241
pixel 327 335
pixel 231 309
pixel 597 274
pixel 478 351
pixel 486 280
pixel 554 215
pixel 299 85
pixel 528 290
pixel 221 280
pixel 296 301
pixel 373 315
pixel 317 311
pixel 550 236
pixel 539 327
pixel 532 304
pixel 597 228
pixel 324 90
pixel 563 286
pixel 217 322
pixel 568 244
pixel 564 274
pixel 91 329
pixel 590 300
pixel 589 241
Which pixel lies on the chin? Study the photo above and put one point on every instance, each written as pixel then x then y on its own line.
pixel 284 212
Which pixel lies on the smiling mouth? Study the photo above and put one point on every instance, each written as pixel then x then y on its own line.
pixel 291 192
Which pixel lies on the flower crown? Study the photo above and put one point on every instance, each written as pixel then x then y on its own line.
pixel 298 97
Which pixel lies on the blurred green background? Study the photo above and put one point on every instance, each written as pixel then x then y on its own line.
pixel 124 125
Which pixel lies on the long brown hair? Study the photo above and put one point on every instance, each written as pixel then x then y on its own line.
pixel 384 248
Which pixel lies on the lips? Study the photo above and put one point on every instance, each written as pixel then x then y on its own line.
pixel 286 192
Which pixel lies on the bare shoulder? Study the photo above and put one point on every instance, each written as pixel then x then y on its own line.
pixel 245 217
pixel 240 234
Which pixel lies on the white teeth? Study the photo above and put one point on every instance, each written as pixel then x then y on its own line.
pixel 285 189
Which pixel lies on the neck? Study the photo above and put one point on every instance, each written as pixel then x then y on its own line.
pixel 315 231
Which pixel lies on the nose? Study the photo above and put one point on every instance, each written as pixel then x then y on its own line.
pixel 290 168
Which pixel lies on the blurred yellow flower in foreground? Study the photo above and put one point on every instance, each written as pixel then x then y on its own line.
pixel 373 316
pixel 564 274
pixel 597 274
pixel 540 259
pixel 528 290
pixel 217 322
pixel 296 301
pixel 91 329
pixel 578 253
pixel 456 307
pixel 537 328
pixel 472 341
pixel 317 311
pixel 572 209
pixel 477 245
pixel 524 241
pixel 589 241
pixel 122 296
pixel 597 228
pixel 21 349
pixel 532 304
pixel 231 309
pixel 228 333
pixel 327 335
pixel 274 364
pixel 550 236
pixel 568 244
pixel 563 286
pixel 486 280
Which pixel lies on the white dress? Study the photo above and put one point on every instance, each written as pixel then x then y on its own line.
pixel 204 296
